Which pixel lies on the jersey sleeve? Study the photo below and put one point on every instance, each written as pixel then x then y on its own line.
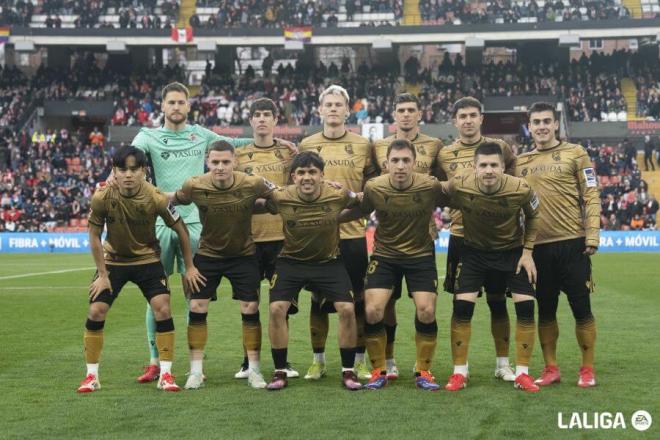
pixel 264 188
pixel 370 169
pixel 184 195
pixel 437 170
pixel 97 211
pixel 441 190
pixel 590 197
pixel 141 141
pixel 166 210
pixel 531 210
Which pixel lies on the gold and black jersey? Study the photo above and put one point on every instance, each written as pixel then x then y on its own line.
pixel 426 148
pixel 403 215
pixel 348 160
pixel 271 163
pixel 311 229
pixel 459 157
pixel 226 214
pixel 131 223
pixel 565 181
pixel 493 222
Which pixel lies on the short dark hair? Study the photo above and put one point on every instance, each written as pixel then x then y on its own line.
pixel 407 97
pixel 401 144
pixel 488 148
pixel 220 146
pixel 122 153
pixel 174 87
pixel 263 104
pixel 466 102
pixel 306 159
pixel 542 106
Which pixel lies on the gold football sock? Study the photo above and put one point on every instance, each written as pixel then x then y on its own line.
pixel 548 336
pixel 197 336
pixel 426 337
pixel 165 344
pixel 93 343
pixel 585 331
pixel 252 335
pixel 461 331
pixel 376 339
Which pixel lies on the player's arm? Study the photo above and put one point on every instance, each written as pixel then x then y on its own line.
pixel 265 189
pixel 437 171
pixel 193 279
pixel 354 212
pixel 590 198
pixel 531 210
pixel 96 221
pixel 370 170
pixel 444 192
pixel 181 196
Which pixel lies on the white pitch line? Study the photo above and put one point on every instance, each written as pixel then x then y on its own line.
pixel 35 274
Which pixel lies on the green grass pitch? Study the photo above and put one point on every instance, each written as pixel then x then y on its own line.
pixel 42 312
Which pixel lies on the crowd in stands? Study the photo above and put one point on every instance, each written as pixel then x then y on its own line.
pixel 50 179
pixel 626 203
pixel 508 11
pixel 280 13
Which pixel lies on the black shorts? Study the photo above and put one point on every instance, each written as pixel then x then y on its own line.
pixel 242 272
pixel 329 280
pixel 420 273
pixel 150 278
pixel 398 284
pixel 495 283
pixel 356 259
pixel 562 266
pixel 476 266
pixel 267 253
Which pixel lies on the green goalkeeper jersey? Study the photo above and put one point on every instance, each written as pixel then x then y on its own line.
pixel 175 156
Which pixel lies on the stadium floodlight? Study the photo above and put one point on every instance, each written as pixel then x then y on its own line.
pixel 293 45
pixel 24 46
pixel 116 47
pixel 382 45
pixel 569 40
pixel 206 46
pixel 474 43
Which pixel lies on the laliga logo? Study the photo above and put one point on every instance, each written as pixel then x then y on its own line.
pixel 641 420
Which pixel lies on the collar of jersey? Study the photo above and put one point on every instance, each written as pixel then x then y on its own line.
pixel 472 144
pixel 334 139
pixel 130 197
pixel 551 148
pixel 185 129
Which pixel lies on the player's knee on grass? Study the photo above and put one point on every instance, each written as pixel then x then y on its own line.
pixel 160 305
pixel 278 310
pixel 199 305
pixel 345 310
pixel 249 307
pixel 98 311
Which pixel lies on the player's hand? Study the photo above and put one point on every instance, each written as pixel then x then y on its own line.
pixel 194 280
pixel 111 180
pixel 590 250
pixel 527 262
pixel 290 145
pixel 359 196
pixel 100 284
pixel 333 184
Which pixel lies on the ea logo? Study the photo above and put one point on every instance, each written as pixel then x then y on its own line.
pixel 641 420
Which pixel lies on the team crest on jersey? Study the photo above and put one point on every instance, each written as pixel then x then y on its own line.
pixel 238 193
pixel 165 140
pixel 453 166
pixel 326 208
pixel 165 155
pixel 349 148
pixel 290 223
pixel 319 148
pixel 248 170
pixel 421 149
pixel 524 172
pixel 416 198
pixel 279 155
pixel 192 136
pixel 556 156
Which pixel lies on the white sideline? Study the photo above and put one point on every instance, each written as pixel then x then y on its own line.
pixel 34 274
